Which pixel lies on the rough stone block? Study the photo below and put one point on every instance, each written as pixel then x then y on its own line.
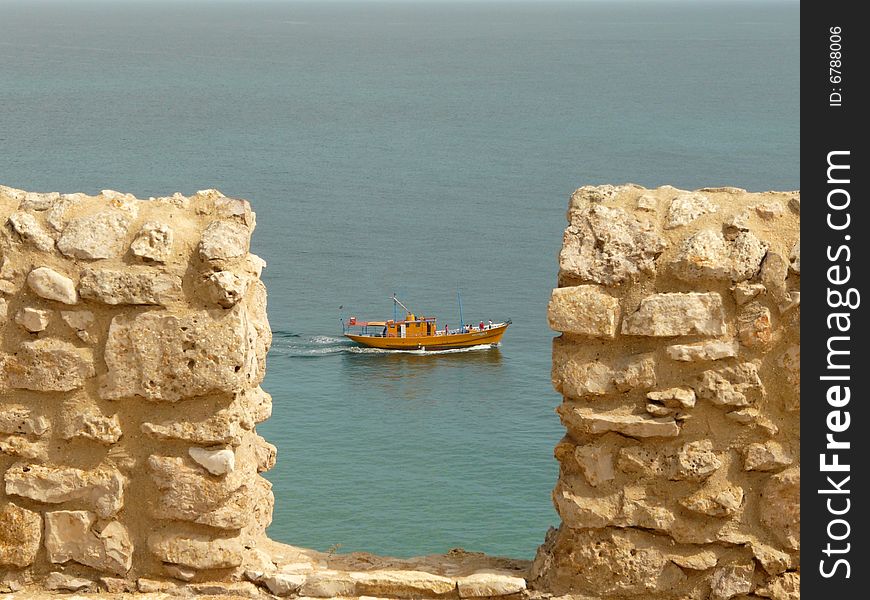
pixel 673 314
pixel 583 310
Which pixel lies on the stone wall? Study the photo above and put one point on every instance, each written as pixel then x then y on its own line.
pixel 679 363
pixel 133 345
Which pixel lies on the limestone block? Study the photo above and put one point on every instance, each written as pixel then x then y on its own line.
pixel 196 551
pixel 583 310
pixel 56 215
pixel 179 572
pixel 224 589
pixel 401 584
pixel 790 364
pixel 101 489
pixel 38 201
pixel 47 365
pixel 754 327
pixel 770 210
pixel 731 580
pixel 153 242
pixel 33 320
pixel 225 288
pixel 78 319
pixel 23 447
pixel 795 257
pixel 50 284
pixel 709 350
pixel 609 246
pixel 101 235
pixel 20 535
pixel 31 231
pixel 715 500
pixel 780 507
pixel 687 207
pixel 674 397
pixel 87 422
pixel 744 291
pixel 217 461
pixel 75 535
pixel 771 560
pixel 785 587
pixel 576 377
pixel 596 463
pixel 673 314
pixel 589 421
pixel 61 582
pixel 131 285
pixel 696 461
pixel 328 583
pixel 708 255
pixel 224 240
pixel 767 456
pixel 170 356
pixel 732 386
pixel 19 419
pixel 284 584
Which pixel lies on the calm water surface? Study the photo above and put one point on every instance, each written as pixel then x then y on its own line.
pixel 415 148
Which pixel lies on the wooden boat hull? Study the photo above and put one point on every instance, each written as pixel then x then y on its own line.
pixel 475 337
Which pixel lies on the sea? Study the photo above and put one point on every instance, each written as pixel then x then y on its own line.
pixel 426 149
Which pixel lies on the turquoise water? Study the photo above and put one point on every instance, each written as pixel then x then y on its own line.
pixel 413 148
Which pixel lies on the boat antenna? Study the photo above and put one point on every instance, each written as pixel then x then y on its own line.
pixel 459 297
pixel 398 302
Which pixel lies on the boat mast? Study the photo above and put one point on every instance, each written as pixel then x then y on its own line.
pixel 396 302
pixel 459 297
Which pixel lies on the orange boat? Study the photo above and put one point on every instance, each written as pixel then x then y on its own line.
pixel 416 332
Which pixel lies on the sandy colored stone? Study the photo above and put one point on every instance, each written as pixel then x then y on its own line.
pixel 196 551
pixel 732 386
pixel 47 365
pixel 709 350
pixel 577 377
pixel 170 356
pixel 774 271
pixel 696 461
pixel 487 585
pixel 224 240
pixel 785 587
pixel 39 201
pixel 647 202
pixel 33 320
pixel 61 582
pixel 687 207
pixel 697 561
pixel 772 560
pixel 596 463
pixel 101 235
pixel 15 418
pixel 328 583
pixel 225 288
pixel 101 489
pixel 153 242
pixel 767 456
pixel 780 507
pixel 770 210
pixel 87 422
pixel 51 285
pixel 715 500
pixel 608 246
pixel 707 254
pixel 20 535
pixel 225 589
pixel 401 584
pixel 790 364
pixel 730 581
pixel 77 319
pixel 31 231
pixel 217 461
pixel 284 584
pixel 754 326
pixel 75 535
pixel 583 310
pixel 673 314
pixel 590 421
pixel 131 285
pixel 674 397
pixel 744 291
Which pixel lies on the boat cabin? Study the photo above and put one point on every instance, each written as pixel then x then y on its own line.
pixel 412 326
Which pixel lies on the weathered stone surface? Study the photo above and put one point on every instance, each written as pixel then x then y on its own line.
pixel 57 581
pixel 77 319
pixel 20 535
pixel 153 242
pixel 771 560
pixel 673 314
pixel 487 585
pixel 774 271
pixel 224 240
pixel 583 310
pixel 23 447
pixel 754 327
pixel 696 461
pixel 283 584
pixel 732 386
pixel 47 365
pixel 50 284
pixel 743 292
pixel 674 397
pixel 101 489
pixel 589 421
pixel 31 231
pixel 578 378
pixel 38 200
pixel 710 350
pixel 131 285
pixel 179 572
pixel 75 535
pixel 647 202
pixel 266 454
pixel 608 246
pixel 17 419
pixel 769 456
pixel 731 580
pixel 101 235
pixel 780 507
pixel 328 583
pixel 87 422
pixel 770 210
pixel 687 207
pixel 715 500
pixel 196 551
pixel 217 461
pixel 790 363
pixel 785 587
pixel 708 255
pixel 161 356
pixel 795 257
pixel 33 320
pixel 225 288
pixel 596 463
pixel 698 561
